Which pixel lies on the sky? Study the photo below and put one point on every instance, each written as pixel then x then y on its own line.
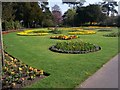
pixel 64 7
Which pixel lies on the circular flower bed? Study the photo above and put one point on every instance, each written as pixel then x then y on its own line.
pixel 64 37
pixel 33 33
pixel 114 34
pixel 74 47
pixel 17 74
pixel 82 32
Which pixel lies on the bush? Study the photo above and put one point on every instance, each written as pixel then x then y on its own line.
pixel 10 25
pixel 114 34
pixel 56 31
pixel 17 25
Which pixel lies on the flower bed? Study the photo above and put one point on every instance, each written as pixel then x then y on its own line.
pixel 82 32
pixel 97 27
pixel 69 29
pixel 9 31
pixel 64 37
pixel 17 74
pixel 33 33
pixel 114 34
pixel 74 47
pixel 104 30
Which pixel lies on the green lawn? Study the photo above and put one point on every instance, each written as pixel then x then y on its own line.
pixel 66 70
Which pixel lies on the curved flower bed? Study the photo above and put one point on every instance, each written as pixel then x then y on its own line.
pixel 97 27
pixel 67 29
pixel 74 47
pixel 33 33
pixel 114 34
pixel 82 32
pixel 9 31
pixel 17 74
pixel 64 37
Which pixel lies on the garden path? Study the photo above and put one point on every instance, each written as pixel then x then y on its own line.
pixel 106 77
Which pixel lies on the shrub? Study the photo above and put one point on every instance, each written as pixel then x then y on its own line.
pixel 17 25
pixel 56 31
pixel 12 25
pixel 114 34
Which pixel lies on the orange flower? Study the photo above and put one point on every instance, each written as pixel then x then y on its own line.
pixel 31 68
pixel 23 79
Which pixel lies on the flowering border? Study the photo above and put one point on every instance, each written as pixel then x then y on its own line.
pixel 18 77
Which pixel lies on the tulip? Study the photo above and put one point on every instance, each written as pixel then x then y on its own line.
pixel 11 58
pixel 20 69
pixel 31 68
pixel 13 84
pixel 35 70
pixel 12 73
pixel 41 72
pixel 22 79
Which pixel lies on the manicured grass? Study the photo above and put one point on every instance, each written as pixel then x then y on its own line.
pixel 66 70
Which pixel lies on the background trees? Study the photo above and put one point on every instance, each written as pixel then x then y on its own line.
pixel 68 17
pixel 16 15
pixel 82 15
pixel 26 14
pixel 108 6
pixel 57 15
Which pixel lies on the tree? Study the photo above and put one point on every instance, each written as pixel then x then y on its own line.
pixel 7 11
pixel 47 19
pixel 108 6
pixel 90 13
pixel 57 15
pixel 74 2
pixel 68 17
pixel 118 21
pixel 30 14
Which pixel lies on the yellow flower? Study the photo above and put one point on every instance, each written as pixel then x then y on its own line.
pixel 41 72
pixel 13 84
pixel 35 70
pixel 12 73
pixel 20 69
pixel 11 58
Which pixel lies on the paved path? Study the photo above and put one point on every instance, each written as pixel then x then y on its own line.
pixel 106 77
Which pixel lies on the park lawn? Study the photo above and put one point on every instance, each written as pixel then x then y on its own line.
pixel 66 70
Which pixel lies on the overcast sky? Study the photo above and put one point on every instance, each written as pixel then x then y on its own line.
pixel 64 7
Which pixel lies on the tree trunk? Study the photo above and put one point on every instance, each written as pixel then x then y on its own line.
pixel 1 44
